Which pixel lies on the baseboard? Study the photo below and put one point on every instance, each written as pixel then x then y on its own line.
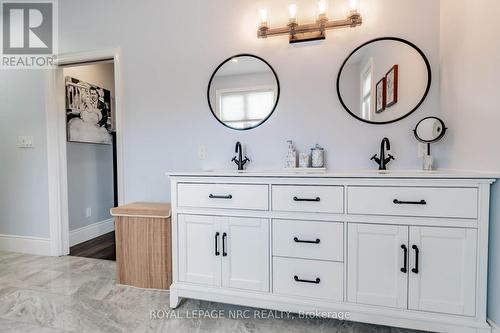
pixel 25 244
pixel 91 231
pixel 495 328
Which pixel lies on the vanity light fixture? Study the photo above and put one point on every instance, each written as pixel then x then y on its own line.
pixel 312 31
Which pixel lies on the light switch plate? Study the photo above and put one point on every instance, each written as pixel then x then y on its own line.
pixel 202 152
pixel 25 141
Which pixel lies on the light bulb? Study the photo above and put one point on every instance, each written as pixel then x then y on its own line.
pixel 353 5
pixel 322 7
pixel 292 10
pixel 263 16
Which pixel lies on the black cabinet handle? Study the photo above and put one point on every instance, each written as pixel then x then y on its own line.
pixel 216 244
pixel 405 253
pixel 399 202
pixel 212 196
pixel 296 278
pixel 317 199
pixel 417 252
pixel 296 240
pixel 224 236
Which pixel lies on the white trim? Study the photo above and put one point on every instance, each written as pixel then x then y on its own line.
pixel 91 231
pixel 24 244
pixel 494 326
pixel 367 66
pixel 56 157
pixel 56 142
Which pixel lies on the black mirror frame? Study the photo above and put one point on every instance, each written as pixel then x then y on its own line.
pixel 429 75
pixel 443 132
pixel 275 103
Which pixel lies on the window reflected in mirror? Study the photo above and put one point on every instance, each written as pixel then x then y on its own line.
pixel 243 92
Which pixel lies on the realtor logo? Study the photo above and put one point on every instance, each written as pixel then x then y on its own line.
pixel 28 34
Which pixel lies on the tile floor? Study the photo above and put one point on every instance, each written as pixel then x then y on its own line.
pixel 70 294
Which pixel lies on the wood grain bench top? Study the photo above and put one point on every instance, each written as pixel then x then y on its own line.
pixel 143 209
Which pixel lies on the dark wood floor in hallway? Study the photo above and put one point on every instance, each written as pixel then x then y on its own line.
pixel 102 247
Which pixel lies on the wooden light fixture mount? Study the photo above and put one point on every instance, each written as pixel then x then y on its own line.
pixel 299 33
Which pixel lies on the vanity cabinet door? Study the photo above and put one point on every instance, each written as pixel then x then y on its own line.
pixel 376 274
pixel 199 259
pixel 444 279
pixel 245 253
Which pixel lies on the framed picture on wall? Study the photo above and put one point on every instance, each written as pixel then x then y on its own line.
pixel 88 112
pixel 392 86
pixel 380 96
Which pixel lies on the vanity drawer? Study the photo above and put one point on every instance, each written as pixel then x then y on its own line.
pixel 315 199
pixel 308 278
pixel 414 201
pixel 233 196
pixel 308 239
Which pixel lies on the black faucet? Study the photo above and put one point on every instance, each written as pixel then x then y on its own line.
pixel 240 162
pixel 383 161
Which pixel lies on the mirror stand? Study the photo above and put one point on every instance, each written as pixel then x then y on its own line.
pixel 429 130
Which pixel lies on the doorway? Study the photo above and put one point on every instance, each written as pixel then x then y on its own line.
pixel 84 181
pixel 89 90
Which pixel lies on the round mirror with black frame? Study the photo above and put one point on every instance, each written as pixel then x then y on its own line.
pixel 384 80
pixel 430 130
pixel 243 92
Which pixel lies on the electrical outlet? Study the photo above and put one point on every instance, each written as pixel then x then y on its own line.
pixel 88 212
pixel 202 152
pixel 24 141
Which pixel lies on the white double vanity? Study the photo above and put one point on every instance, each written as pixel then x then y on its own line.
pixel 406 249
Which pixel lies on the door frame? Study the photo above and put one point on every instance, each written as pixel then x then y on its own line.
pixel 56 140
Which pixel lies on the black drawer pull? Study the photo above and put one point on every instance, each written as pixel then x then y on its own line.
pixel 224 253
pixel 399 202
pixel 296 278
pixel 216 244
pixel 296 240
pixel 417 252
pixel 317 199
pixel 405 253
pixel 229 196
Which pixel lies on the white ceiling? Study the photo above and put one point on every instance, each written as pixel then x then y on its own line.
pixel 244 65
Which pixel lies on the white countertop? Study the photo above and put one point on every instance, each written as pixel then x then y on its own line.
pixel 454 174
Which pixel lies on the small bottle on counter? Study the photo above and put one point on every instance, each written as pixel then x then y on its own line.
pixel 317 157
pixel 303 160
pixel 291 156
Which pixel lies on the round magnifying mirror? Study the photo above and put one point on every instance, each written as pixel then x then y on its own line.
pixel 430 130
pixel 384 80
pixel 243 92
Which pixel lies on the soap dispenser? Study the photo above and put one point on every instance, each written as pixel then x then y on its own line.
pixel 291 156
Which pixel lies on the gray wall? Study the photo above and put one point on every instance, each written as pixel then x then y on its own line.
pixel 90 166
pixel 470 55
pixel 23 172
pixel 166 72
